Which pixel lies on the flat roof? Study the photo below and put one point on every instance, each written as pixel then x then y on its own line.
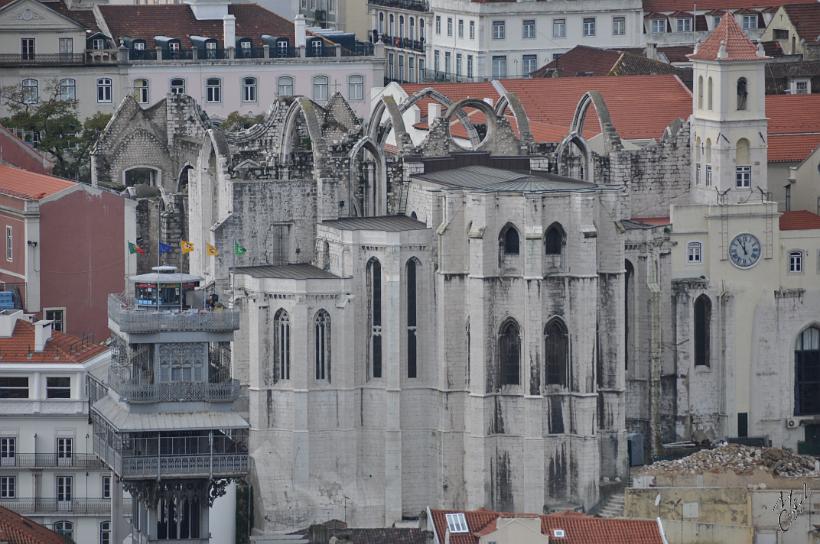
pixel 286 272
pixel 126 421
pixel 485 178
pixel 388 223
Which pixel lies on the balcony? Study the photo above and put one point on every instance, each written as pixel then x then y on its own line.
pixel 31 506
pixel 222 465
pixel 403 43
pixel 132 319
pixel 51 460
pixel 91 57
pixel 179 391
pixel 413 5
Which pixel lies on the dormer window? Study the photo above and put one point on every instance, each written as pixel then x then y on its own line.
pixel 173 46
pixel 317 46
pixel 139 45
pixel 684 24
pixel 282 48
pixel 658 26
pixel 210 50
pixel 750 22
pixel 98 43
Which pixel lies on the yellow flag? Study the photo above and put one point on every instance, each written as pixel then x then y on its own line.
pixel 211 250
pixel 186 246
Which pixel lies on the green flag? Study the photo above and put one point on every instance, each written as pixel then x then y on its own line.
pixel 134 248
pixel 238 249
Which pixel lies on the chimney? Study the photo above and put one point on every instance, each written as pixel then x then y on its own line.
pixel 8 319
pixel 229 31
pixel 299 30
pixel 42 333
pixel 433 112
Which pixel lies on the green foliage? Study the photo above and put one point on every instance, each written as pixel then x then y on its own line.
pixel 238 121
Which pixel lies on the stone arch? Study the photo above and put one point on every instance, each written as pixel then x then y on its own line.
pixel 182 177
pixel 208 193
pixel 137 174
pixel 489 113
pixel 611 139
pixel 396 121
pixel 152 154
pixel 510 100
pixel 374 202
pixel 308 109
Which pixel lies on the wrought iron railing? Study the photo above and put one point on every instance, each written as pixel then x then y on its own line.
pixel 40 505
pixel 359 49
pixel 132 319
pixel 405 43
pixel 415 5
pixel 48 460
pixel 233 464
pixel 42 59
pixel 179 391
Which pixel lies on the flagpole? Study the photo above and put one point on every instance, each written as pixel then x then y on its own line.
pixel 159 230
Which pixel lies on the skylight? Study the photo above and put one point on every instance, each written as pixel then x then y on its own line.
pixel 456 523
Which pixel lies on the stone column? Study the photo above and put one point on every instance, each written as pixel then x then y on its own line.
pixel 391 376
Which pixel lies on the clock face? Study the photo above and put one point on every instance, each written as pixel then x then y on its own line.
pixel 744 251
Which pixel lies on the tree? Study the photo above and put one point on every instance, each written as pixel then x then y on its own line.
pixel 238 121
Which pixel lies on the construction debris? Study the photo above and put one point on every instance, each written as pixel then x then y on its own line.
pixel 740 459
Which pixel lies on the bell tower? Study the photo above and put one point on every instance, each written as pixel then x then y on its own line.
pixel 729 128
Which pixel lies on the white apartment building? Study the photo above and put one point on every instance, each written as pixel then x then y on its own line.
pixel 403 26
pixel 473 40
pixel 48 470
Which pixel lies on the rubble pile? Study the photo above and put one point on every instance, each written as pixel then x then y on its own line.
pixel 740 460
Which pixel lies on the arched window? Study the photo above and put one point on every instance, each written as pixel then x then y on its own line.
pixel 508 240
pixel 325 255
pixel 281 344
pixel 374 306
pixel 31 91
pixel 412 370
pixel 700 92
pixel 320 85
pixel 554 240
pixel 742 93
pixel 390 24
pixel 322 341
pixel 697 159
pixel 65 529
pixel 248 89
pixel 703 322
pixel 421 29
pixel 68 89
pixel 509 353
pixel 807 372
pixel 105 532
pixel 285 86
pixel 709 94
pixel 743 164
pixel 556 352
pixel 401 26
pixel 412 22
pixel 381 22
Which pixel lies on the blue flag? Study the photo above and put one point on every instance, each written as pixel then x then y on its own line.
pixel 165 248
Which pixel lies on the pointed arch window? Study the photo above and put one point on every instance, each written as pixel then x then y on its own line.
pixel 281 344
pixel 742 93
pixel 554 240
pixel 374 305
pixel 509 353
pixel 509 240
pixel 709 93
pixel 703 325
pixel 700 92
pixel 807 372
pixel 412 355
pixel 322 345
pixel 556 352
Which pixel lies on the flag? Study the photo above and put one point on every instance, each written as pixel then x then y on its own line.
pixel 134 248
pixel 186 246
pixel 165 248
pixel 238 249
pixel 211 250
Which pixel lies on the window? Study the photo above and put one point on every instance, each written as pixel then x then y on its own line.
pixel 322 344
pixel 499 67
pixel 436 61
pixel 458 66
pixel 13 388
pixel 421 68
pixel 438 24
pixel 64 488
pixel 449 26
pixel 708 175
pixel 282 48
pixel 67 89
pixel 285 86
pixel 177 85
pixel 98 43
pixel 66 46
pixel 390 64
pixel 743 176
pixel 317 46
pixel 65 449
pixel 58 388
pixel 65 529
pixel 412 23
pixel 106 487
pixel 556 353
pixel 210 49
pixel 139 45
pixel 411 69
pixel 456 523
pixel 703 320
pixel 743 170
pixel 529 64
pixel 801 86
pixel 105 532
pixel 381 22
pixel 709 93
pixel 658 26
pixel 355 88
pixel 31 91
pixel 528 29
pixel 281 344
pixel 8 447
pixel 27 49
pixel 412 370
pixel 700 92
pixel 498 30
pixel 248 89
pixel 141 90
pixel 618 26
pixel 589 26
pixel 509 353
pixel 9 243
pixel 509 240
pixel 421 29
pixel 8 487
pixel 742 94
pixel 320 86
pixel 750 22
pixel 807 372
pixel 213 90
pixel 559 28
pixel 796 261
pixel 469 66
pixel 472 30
pixel 683 24
pixel 374 293
pixel 104 89
pixel 447 60
pixel 57 316
pixel 401 27
pixel 461 28
pixel 694 252
pixel 554 240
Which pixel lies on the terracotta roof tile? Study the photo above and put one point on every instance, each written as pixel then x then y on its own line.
pixel 178 21
pixel 728 33
pixel 654 221
pixel 672 5
pixel 806 20
pixel 17 529
pixel 30 185
pixel 792 138
pixel 83 17
pixel 579 528
pixel 799 220
pixel 60 348
pixel 792 147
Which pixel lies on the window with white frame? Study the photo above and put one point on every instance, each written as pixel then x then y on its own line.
pixel 470 66
pixel 58 387
pixel 64 488
pixel 9 243
pixel 66 46
pixel 472 30
pixel 67 89
pixel 499 67
pixel 98 43
pixel 559 28
pixel 57 317
pixel 694 252
pixel 447 62
pixel 248 89
pixel 8 444
pixel 26 48
pixel 801 86
pixel 458 65
pixel 449 26
pixel 31 91
pixel 65 528
pixel 284 86
pixel 438 24
pixel 8 487
pixel 141 90
pixel 743 176
pixel 683 24
pixel 529 63
pixel 320 88
pixel 13 387
pixel 436 61
pixel 618 26
pixel 499 30
pixel 461 28
pixel 104 89
pixel 355 87
pixel 65 450
pixel 177 85
pixel 750 22
pixel 658 26
pixel 708 170
pixel 213 89
pixel 589 26
pixel 411 69
pixel 795 261
pixel 105 532
pixel 528 29
pixel 456 523
pixel 106 487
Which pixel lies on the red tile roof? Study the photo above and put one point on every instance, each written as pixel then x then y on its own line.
pixel 729 34
pixel 579 528
pixel 654 221
pixel 83 17
pixel 806 20
pixel 792 147
pixel 18 153
pixel 672 5
pixel 60 348
pixel 660 98
pixel 799 220
pixel 178 21
pixel 30 185
pixel 17 529
pixel 792 137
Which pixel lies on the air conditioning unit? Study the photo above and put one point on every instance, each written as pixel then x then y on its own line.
pixel 792 423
